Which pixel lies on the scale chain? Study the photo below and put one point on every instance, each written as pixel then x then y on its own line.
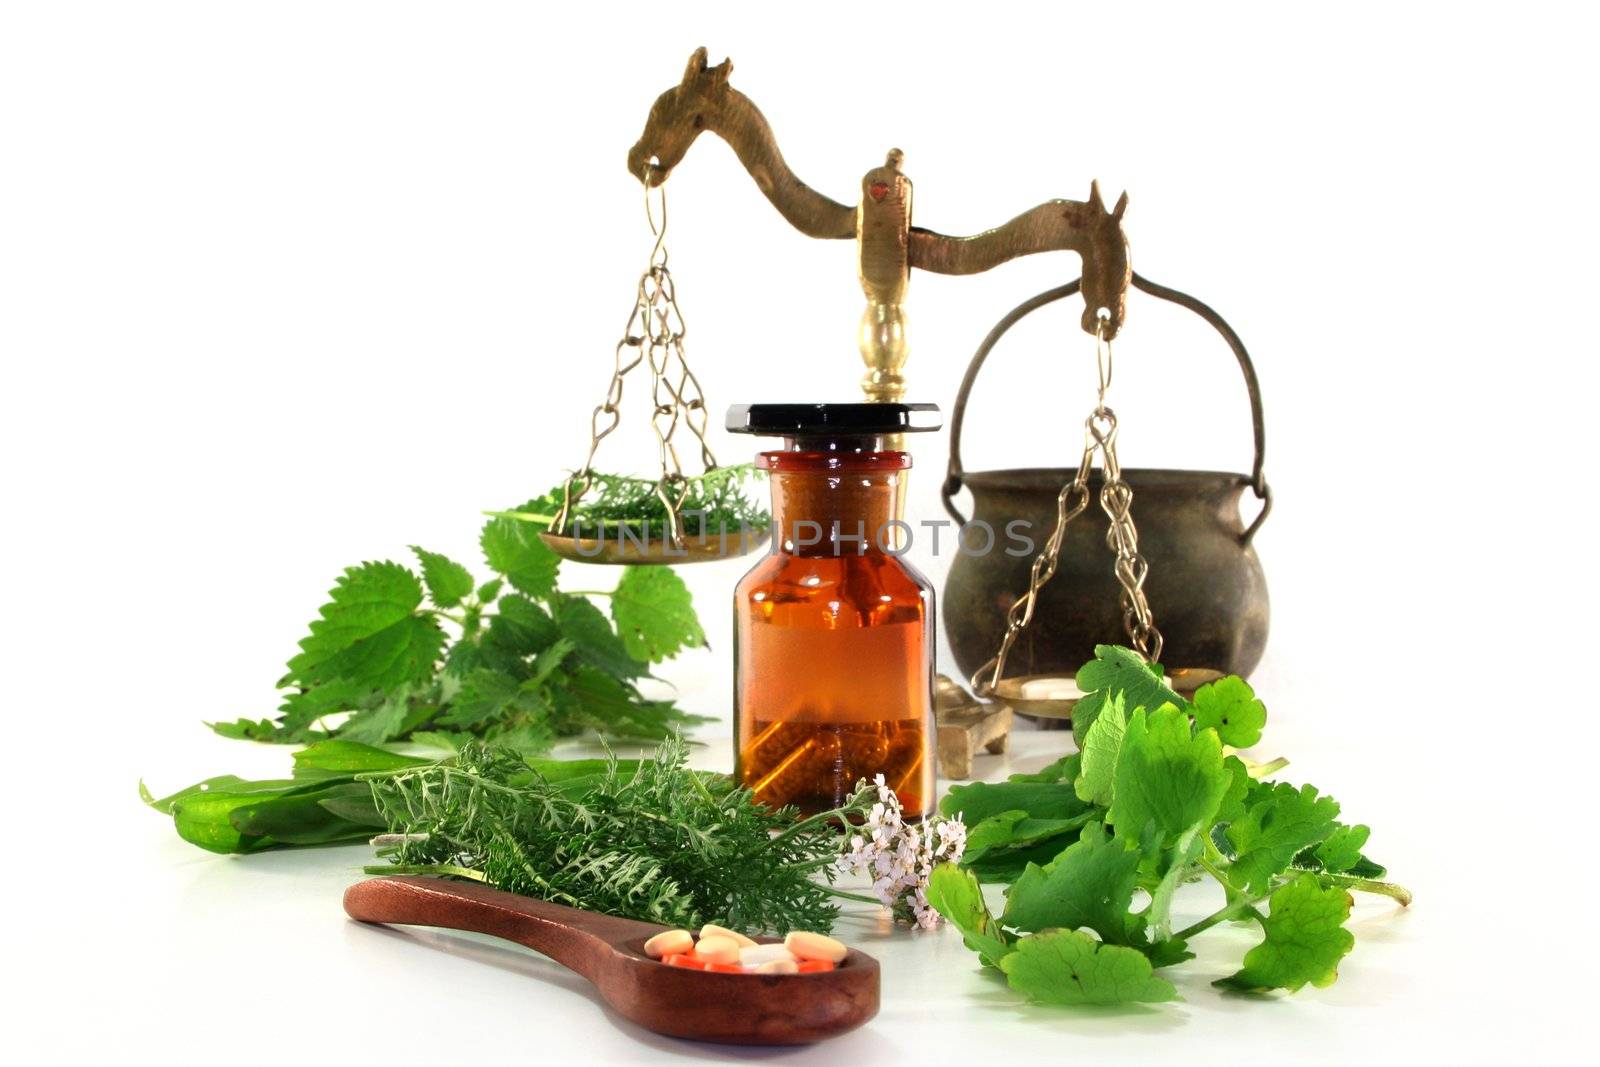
pixel 1116 499
pixel 654 334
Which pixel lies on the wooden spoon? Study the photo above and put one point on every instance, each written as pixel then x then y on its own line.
pixel 737 1009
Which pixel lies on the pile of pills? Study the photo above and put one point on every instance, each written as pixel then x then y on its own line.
pixel 730 952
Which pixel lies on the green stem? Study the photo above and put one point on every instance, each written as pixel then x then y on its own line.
pixel 845 894
pixel 1370 885
pixel 1236 908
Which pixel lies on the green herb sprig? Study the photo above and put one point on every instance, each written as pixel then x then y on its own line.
pixel 438 657
pixel 1155 798
pixel 648 839
pixel 659 842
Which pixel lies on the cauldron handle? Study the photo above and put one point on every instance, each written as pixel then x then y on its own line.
pixel 1258 481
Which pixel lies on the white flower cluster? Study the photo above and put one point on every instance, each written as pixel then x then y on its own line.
pixel 900 857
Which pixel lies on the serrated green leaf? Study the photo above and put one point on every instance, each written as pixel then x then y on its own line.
pixel 449 583
pixel 1230 707
pixel 1118 670
pixel 368 633
pixel 1168 778
pixel 1090 884
pixel 1102 744
pixel 1342 848
pixel 247 730
pixel 1064 769
pixel 977 801
pixel 1239 786
pixel 513 549
pixel 484 696
pixel 1305 939
pixel 489 590
pixel 1279 822
pixel 1011 830
pixel 384 721
pixel 1068 967
pixel 594 640
pixel 655 614
pixel 956 895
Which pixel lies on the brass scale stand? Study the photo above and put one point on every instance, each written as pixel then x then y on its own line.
pixel 887 246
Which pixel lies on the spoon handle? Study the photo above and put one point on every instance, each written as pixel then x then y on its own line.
pixel 579 940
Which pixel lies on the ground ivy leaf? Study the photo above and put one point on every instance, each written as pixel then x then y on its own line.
pixel 1305 939
pixel 655 614
pixel 1011 830
pixel 1233 801
pixel 1068 967
pixel 955 894
pixel 1101 745
pixel 1090 884
pixel 1230 707
pixel 1118 670
pixel 449 583
pixel 512 548
pixel 369 633
pixel 1064 769
pixel 1168 778
pixel 1341 850
pixel 978 801
pixel 1279 822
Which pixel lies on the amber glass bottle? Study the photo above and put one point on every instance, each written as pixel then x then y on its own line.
pixel 833 642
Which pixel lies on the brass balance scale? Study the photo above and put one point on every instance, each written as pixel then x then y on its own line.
pixel 888 246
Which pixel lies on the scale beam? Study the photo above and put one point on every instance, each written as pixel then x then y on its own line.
pixel 887 245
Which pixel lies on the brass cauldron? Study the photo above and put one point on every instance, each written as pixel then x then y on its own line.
pixel 1206 586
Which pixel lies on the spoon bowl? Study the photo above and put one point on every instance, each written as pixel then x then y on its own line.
pixel 739 1009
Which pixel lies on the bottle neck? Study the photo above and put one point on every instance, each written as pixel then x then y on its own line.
pixel 835 502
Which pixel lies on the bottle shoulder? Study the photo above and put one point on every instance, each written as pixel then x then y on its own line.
pixel 868 577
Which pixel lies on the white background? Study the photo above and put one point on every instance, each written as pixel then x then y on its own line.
pixel 286 287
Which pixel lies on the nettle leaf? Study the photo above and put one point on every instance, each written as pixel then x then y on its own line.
pixel 655 614
pixel 1230 707
pixel 1279 823
pixel 369 633
pixel 382 722
pixel 484 696
pixel 1118 670
pixel 449 583
pixel 489 590
pixel 596 642
pixel 1090 884
pixel 1102 744
pixel 1069 967
pixel 1168 778
pixel 1305 939
pixel 955 894
pixel 512 548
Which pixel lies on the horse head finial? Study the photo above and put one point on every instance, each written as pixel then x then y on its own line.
pixel 678 117
pixel 1106 272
